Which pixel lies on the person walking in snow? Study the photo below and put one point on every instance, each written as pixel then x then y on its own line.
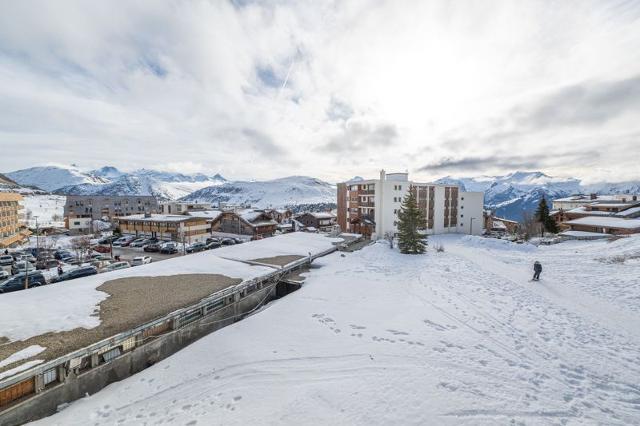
pixel 60 271
pixel 537 269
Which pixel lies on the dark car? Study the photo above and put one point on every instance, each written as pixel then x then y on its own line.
pixel 108 240
pixel 196 247
pixel 85 271
pixel 213 245
pixel 169 249
pixel 212 240
pixel 16 282
pixel 155 247
pixel 59 254
pixel 6 260
pixel 228 241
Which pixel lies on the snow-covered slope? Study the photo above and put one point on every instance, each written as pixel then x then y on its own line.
pixel 51 178
pixel 513 194
pixel 378 338
pixel 48 208
pixel 284 192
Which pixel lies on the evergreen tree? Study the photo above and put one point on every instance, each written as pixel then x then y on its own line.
pixel 410 220
pixel 542 216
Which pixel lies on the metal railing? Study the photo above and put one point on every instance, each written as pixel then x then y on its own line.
pixel 182 317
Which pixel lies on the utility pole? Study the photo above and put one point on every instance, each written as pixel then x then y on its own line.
pixel 471 226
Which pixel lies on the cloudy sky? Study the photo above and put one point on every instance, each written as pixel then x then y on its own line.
pixel 327 89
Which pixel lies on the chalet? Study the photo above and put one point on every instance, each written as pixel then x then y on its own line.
pixel 322 221
pixel 280 215
pixel 255 223
pixel 499 225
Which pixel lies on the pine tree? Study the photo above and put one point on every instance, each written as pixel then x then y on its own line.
pixel 410 220
pixel 542 216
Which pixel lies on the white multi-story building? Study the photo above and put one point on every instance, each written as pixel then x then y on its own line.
pixel 371 206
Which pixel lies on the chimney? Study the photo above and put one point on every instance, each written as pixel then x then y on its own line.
pixel 383 175
pixel 593 196
pixel 147 214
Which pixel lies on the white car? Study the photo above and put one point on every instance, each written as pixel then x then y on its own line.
pixel 4 275
pixel 116 266
pixel 141 260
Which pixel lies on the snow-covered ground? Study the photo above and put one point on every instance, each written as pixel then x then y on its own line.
pixel 70 304
pixel 376 337
pixel 48 208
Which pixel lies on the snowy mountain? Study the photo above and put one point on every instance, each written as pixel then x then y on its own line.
pixel 512 195
pixel 109 180
pixel 284 192
pixel 50 178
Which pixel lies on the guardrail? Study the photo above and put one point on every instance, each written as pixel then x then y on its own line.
pixel 35 379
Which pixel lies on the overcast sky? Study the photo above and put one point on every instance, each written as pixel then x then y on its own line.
pixel 326 89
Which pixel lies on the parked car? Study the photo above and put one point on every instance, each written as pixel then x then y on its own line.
pixel 116 266
pixel 141 260
pixel 17 282
pixel 238 240
pixel 6 260
pixel 102 249
pixel 228 241
pixel 59 254
pixel 124 241
pixel 100 264
pixel 212 240
pixel 108 240
pixel 196 247
pixel 169 248
pixel 141 242
pixel 84 271
pixel 27 257
pixel 17 254
pixel 155 247
pixel 213 245
pixel 46 263
pixel 22 266
pixel 4 275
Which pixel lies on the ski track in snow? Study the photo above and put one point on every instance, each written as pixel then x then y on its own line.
pixel 375 337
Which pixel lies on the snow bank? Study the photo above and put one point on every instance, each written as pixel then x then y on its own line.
pixel 27 352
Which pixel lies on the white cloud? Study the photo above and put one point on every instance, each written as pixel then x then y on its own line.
pixel 198 85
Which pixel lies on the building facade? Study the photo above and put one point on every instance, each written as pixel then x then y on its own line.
pixel 11 232
pixel 182 228
pixel 180 207
pixel 81 210
pixel 370 207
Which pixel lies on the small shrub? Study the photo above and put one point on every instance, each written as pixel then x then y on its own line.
pixel 439 247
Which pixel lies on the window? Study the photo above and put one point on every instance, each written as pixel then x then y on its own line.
pixel 461 207
pixel 461 224
pixel 461 215
pixel 400 187
pixel 50 376
pixel 462 198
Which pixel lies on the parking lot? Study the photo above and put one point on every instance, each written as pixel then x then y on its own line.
pixel 128 253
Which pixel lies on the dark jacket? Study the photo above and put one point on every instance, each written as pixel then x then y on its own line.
pixel 537 267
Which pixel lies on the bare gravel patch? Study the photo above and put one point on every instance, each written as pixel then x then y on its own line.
pixel 132 301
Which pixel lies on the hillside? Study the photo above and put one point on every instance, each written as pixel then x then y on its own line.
pixel 50 178
pixel 379 338
pixel 284 192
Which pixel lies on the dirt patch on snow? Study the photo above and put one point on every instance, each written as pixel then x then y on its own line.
pixel 278 260
pixel 132 301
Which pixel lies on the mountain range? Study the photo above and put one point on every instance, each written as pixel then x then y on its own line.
pixel 509 196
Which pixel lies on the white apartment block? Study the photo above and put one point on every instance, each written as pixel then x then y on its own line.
pixel 371 207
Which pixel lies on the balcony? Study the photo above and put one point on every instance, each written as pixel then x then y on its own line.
pixel 366 192
pixel 367 204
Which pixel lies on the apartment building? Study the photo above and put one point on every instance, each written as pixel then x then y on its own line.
pixel 370 207
pixel 10 226
pixel 81 210
pixel 183 228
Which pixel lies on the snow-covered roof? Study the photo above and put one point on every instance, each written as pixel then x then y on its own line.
pixel 612 205
pixel 208 214
pixel 583 210
pixel 629 212
pixel 607 221
pixel 157 218
pixel 322 215
pixel 584 234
